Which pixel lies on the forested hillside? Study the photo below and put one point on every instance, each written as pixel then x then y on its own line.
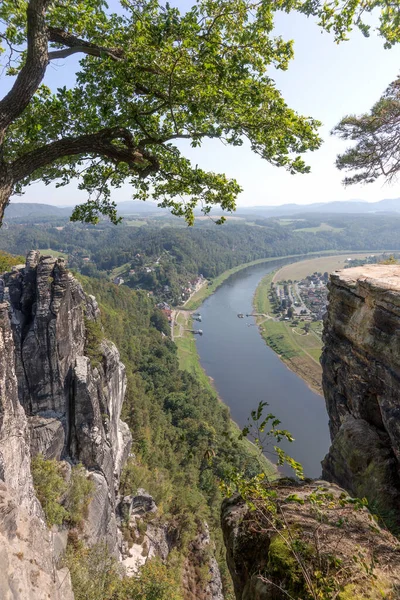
pixel 150 257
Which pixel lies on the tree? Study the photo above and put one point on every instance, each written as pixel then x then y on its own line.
pixel 377 133
pixel 148 77
pixel 290 312
pixel 377 137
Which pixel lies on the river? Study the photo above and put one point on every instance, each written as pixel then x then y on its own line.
pixel 246 371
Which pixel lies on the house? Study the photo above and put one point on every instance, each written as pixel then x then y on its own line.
pixel 86 259
pixel 168 313
pixel 119 281
pixel 163 306
pixel 132 272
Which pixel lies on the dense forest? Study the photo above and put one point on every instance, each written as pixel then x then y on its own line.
pixel 164 259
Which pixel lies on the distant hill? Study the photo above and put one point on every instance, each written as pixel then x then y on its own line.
pixel 20 210
pixel 34 210
pixel 345 207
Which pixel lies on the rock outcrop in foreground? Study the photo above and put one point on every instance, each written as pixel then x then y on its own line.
pixel 361 381
pixel 314 534
pixel 53 400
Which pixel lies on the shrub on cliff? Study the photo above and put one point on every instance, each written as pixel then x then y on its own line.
pixel 8 260
pixel 50 486
pixel 308 540
pixel 79 496
pixel 61 501
pixel 94 337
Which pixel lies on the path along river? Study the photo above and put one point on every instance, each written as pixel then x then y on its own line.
pixel 246 371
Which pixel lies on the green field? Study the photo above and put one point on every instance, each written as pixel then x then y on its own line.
pixel 187 352
pixel 285 222
pixel 321 227
pixel 262 302
pixel 49 251
pixel 120 270
pixel 299 349
pixel 299 270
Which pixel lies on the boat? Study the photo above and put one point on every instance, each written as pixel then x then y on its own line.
pixel 240 315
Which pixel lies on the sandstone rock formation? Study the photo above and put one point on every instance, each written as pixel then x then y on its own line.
pixel 361 381
pixel 27 564
pixel 53 400
pixel 314 534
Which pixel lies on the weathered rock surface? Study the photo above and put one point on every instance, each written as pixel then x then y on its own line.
pixel 145 536
pixel 361 381
pixel 27 560
pixel 55 402
pixel 201 559
pixel 329 538
pixel 73 408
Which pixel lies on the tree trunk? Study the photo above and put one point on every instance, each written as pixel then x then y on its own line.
pixel 6 187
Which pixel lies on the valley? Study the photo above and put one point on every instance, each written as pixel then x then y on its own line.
pixel 199 328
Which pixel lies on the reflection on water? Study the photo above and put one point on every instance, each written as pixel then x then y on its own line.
pixel 245 371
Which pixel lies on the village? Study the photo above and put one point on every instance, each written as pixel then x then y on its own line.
pixel 306 299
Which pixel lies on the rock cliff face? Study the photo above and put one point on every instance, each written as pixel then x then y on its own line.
pixel 361 381
pixel 54 401
pixel 27 558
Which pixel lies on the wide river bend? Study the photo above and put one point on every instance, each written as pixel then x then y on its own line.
pixel 246 371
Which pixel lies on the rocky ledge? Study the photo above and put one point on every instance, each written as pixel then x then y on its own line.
pixel 308 541
pixel 361 381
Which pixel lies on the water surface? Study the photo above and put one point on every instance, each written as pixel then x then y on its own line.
pixel 246 371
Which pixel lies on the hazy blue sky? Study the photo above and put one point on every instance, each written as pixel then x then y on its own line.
pixel 325 81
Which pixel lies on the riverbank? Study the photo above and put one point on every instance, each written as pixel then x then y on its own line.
pixel 189 360
pixel 299 350
pixel 198 298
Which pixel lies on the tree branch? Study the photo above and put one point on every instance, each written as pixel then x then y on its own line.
pixel 33 71
pixel 94 144
pixel 75 45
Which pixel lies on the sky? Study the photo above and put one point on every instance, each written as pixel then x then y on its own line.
pixel 325 81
